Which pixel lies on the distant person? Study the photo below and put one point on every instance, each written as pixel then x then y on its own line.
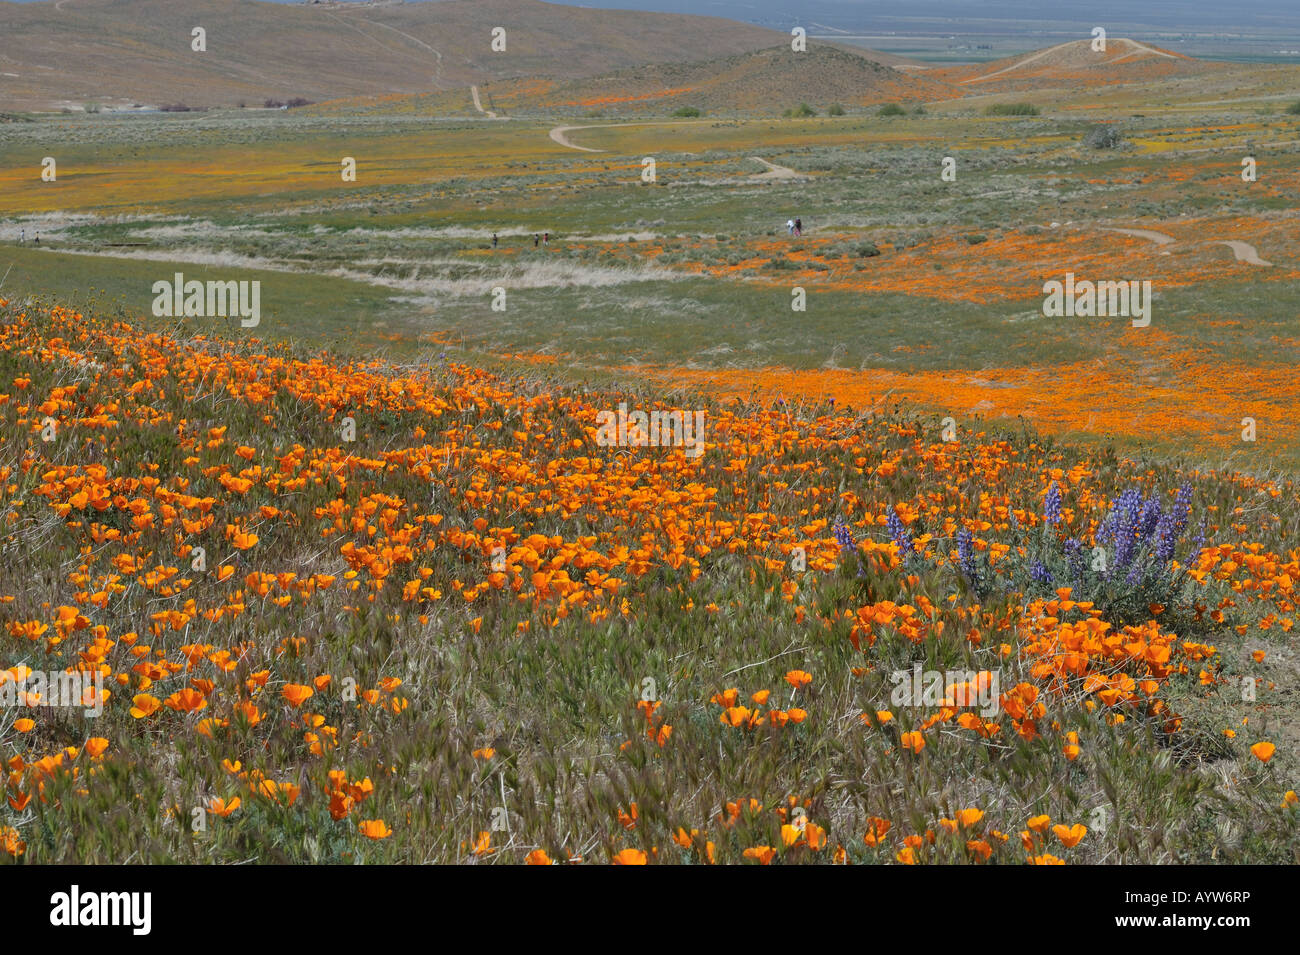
pixel 38 238
pixel 789 226
pixel 798 227
pixel 546 237
pixel 22 236
pixel 536 240
pixel 494 240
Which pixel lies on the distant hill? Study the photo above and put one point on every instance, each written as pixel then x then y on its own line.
pixel 119 52
pixel 1074 63
pixel 764 81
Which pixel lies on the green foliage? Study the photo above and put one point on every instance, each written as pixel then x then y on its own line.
pixel 1011 109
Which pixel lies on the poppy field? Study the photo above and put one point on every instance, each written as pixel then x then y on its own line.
pixel 352 610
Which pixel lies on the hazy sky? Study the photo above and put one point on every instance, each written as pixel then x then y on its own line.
pixel 972 15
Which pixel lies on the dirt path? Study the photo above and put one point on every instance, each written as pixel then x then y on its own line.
pixel 478 104
pixel 1015 66
pixel 437 76
pixel 560 133
pixel 1143 48
pixel 1159 238
pixel 1134 48
pixel 775 172
pixel 1244 251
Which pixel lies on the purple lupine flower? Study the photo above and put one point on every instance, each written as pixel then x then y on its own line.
pixel 1052 505
pixel 966 553
pixel 844 536
pixel 1166 538
pixel 898 532
pixel 1150 517
pixel 1040 573
pixel 1125 511
pixel 1182 509
pixel 1074 558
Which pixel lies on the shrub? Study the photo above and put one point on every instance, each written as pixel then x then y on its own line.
pixel 803 109
pixel 1011 109
pixel 867 250
pixel 1294 108
pixel 835 109
pixel 688 111
pixel 891 109
pixel 975 238
pixel 1102 136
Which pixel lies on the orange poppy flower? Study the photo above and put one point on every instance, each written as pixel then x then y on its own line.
pixel 374 829
pixel 296 694
pixel 1263 751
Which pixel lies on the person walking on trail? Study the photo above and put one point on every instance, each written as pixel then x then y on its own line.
pixel 494 240
pixel 22 236
pixel 789 226
pixel 536 240
pixel 546 238
pixel 798 227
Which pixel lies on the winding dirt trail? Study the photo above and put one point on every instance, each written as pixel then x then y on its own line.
pixel 478 104
pixel 560 133
pixel 775 172
pixel 437 76
pixel 1159 238
pixel 1242 251
pixel 771 171
pixel 1015 66
pixel 1134 48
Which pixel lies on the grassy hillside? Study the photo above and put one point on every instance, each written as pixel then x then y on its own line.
pixel 435 618
pixel 760 81
pixel 119 52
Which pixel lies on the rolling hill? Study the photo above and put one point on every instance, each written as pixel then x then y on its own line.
pixel 66 53
pixel 1075 64
pixel 771 79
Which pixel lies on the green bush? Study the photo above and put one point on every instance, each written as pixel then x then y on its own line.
pixel 835 109
pixel 891 109
pixel 688 111
pixel 1011 109
pixel 1294 108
